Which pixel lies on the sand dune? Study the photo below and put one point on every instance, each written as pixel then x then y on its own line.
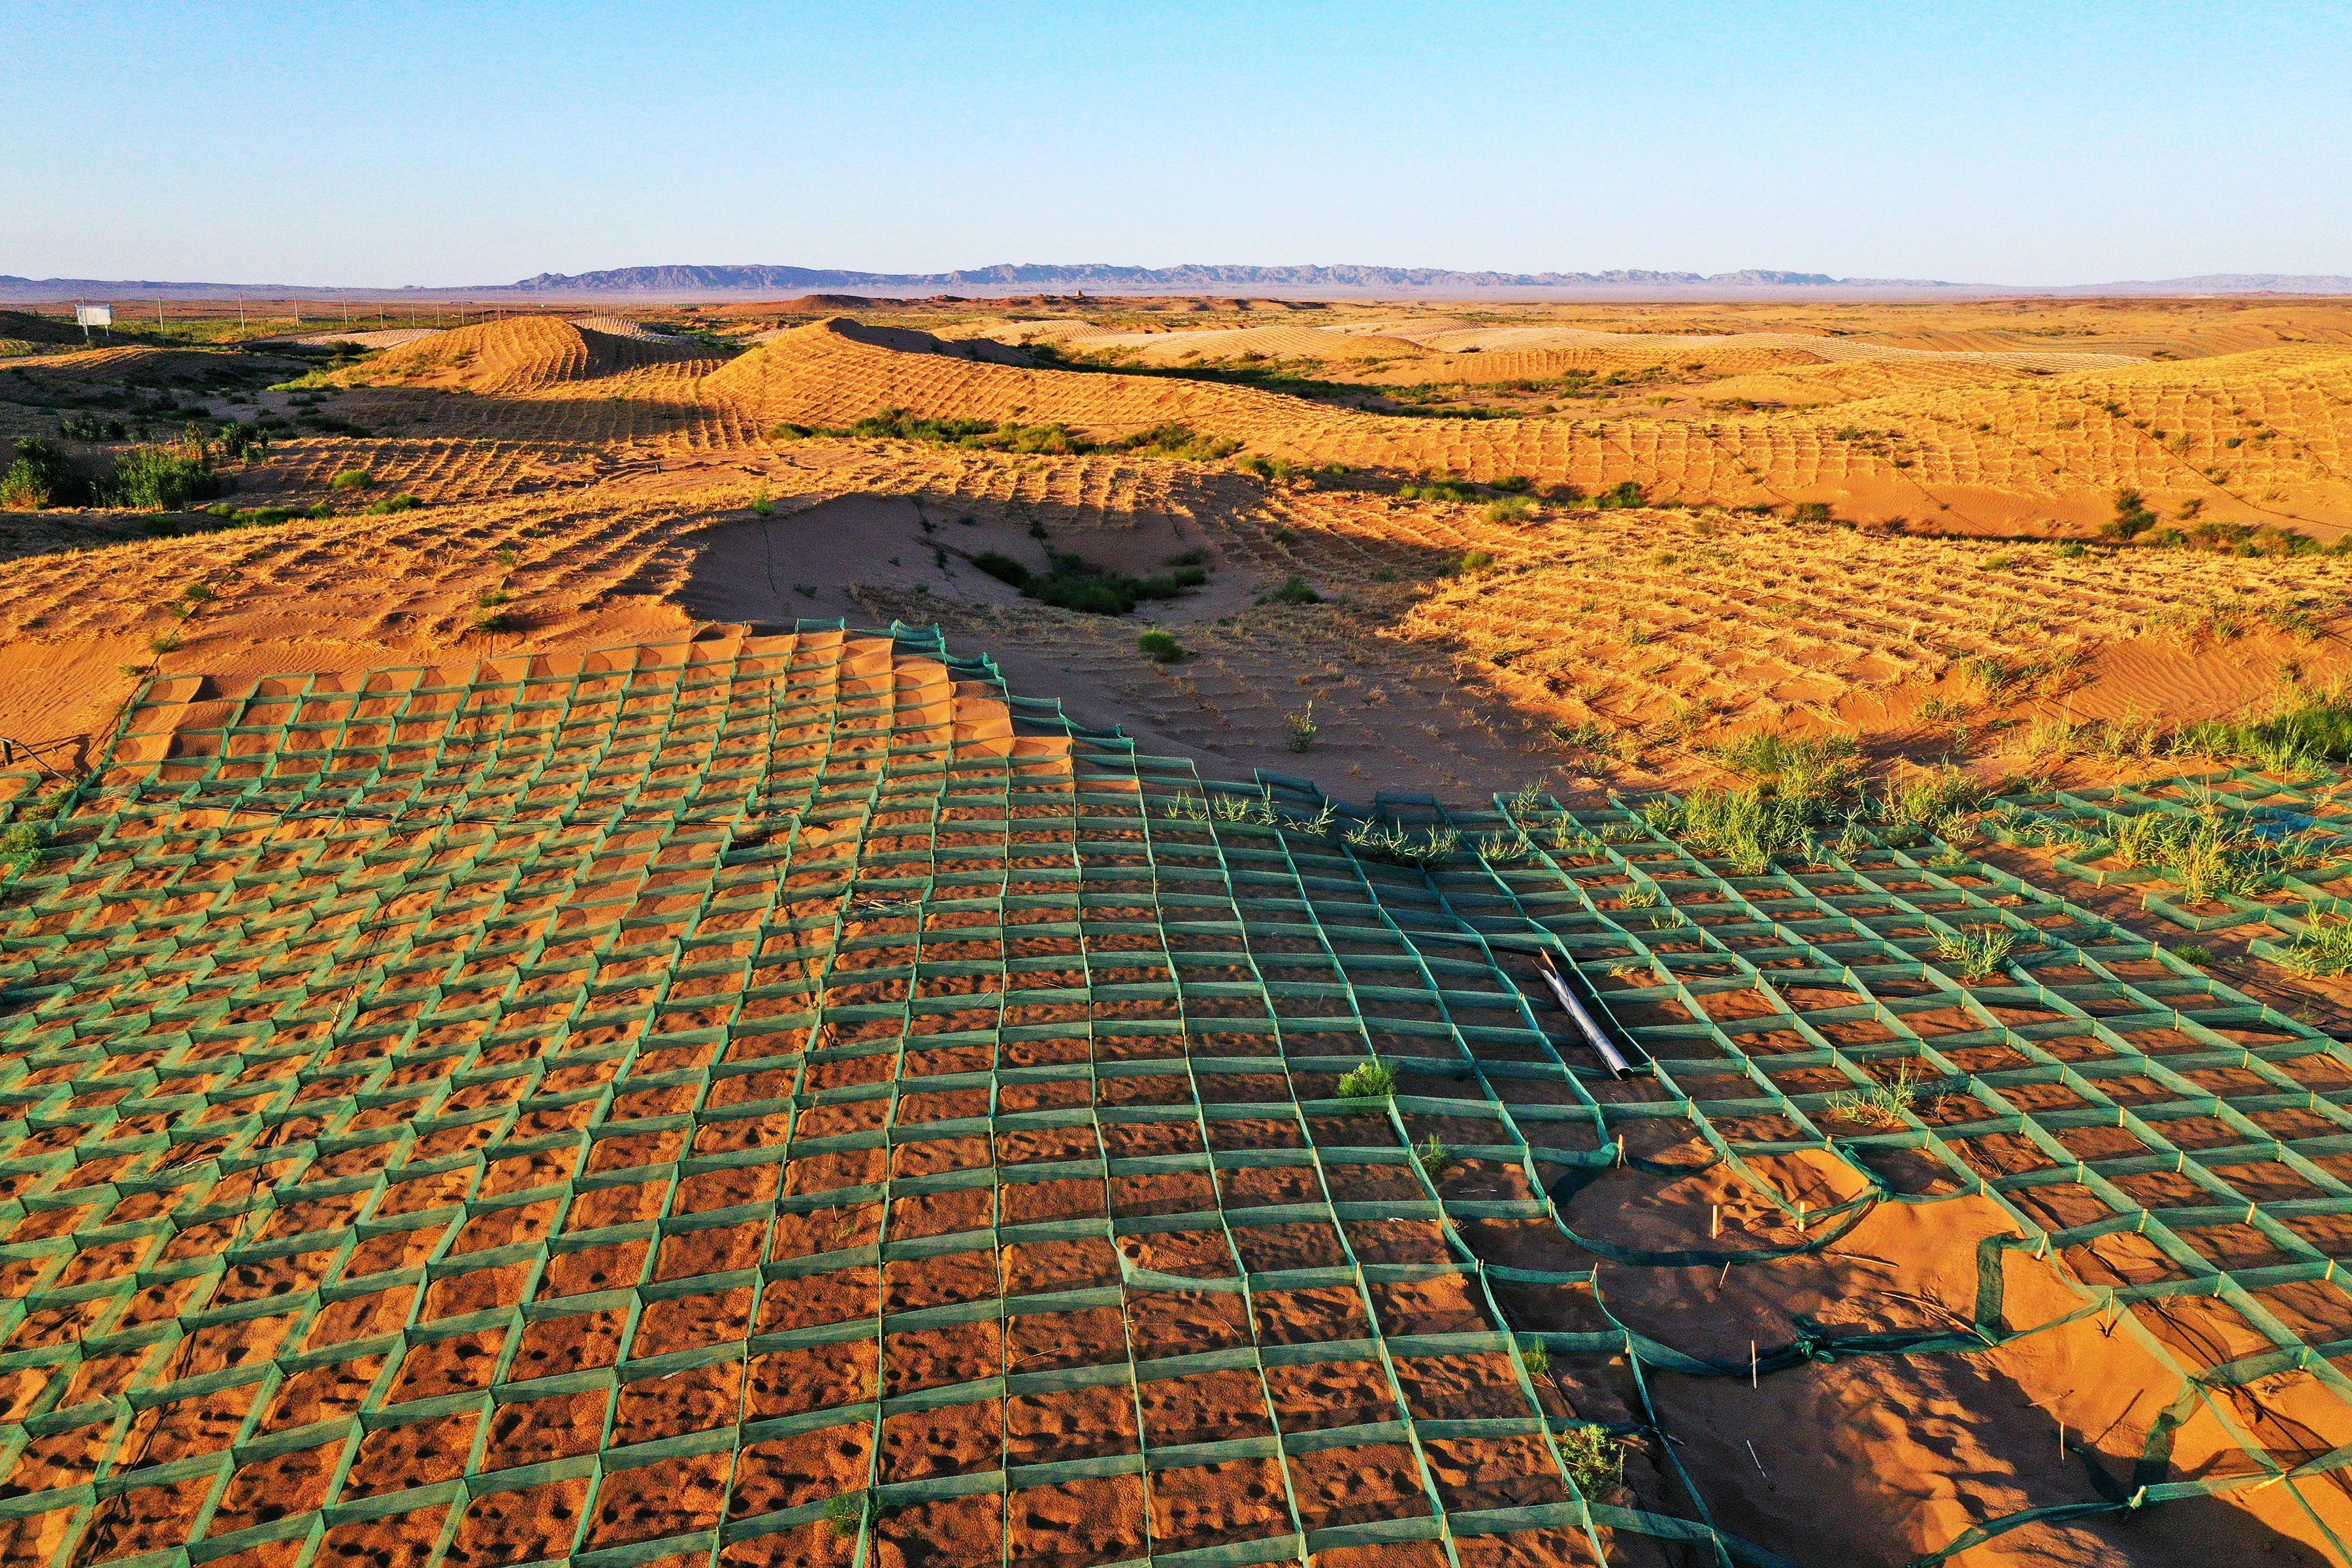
pixel 520 353
pixel 2254 438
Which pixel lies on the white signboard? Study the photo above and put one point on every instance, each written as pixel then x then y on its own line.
pixel 93 315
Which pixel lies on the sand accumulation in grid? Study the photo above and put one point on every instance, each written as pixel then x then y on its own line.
pixel 785 1099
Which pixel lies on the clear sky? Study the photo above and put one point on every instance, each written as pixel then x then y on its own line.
pixel 383 143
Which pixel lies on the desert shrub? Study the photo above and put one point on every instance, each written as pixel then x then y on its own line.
pixel 162 478
pixel 1294 591
pixel 1626 493
pixel 1812 512
pixel 1595 1460
pixel 404 501
pixel 1181 441
pixel 1161 648
pixel 1373 1080
pixel 351 480
pixel 2132 517
pixel 1453 490
pixel 1002 567
pixel 1511 509
pixel 38 477
pixel 1299 730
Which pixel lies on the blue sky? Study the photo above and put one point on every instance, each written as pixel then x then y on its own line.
pixel 383 143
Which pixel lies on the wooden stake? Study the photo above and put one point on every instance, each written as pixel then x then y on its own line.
pixel 1751 1365
pixel 1715 1227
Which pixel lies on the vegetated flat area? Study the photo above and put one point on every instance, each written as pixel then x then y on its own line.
pixel 1802 563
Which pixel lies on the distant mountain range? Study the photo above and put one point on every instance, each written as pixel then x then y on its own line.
pixel 772 282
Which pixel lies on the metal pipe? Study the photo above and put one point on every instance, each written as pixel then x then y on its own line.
pixel 1594 1035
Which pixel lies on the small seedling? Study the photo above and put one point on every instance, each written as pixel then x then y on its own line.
pixel 1373 1080
pixel 1537 1357
pixel 1433 1157
pixel 763 505
pixel 1300 728
pixel 2194 952
pixel 849 1512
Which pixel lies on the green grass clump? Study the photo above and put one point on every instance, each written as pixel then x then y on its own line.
pixel 1073 582
pixel 1511 510
pixel 351 480
pixel 1978 953
pixel 1373 1080
pixel 1880 1104
pixel 1749 827
pixel 1432 1156
pixel 404 501
pixel 1299 730
pixel 1623 496
pixel 2314 732
pixel 1161 648
pixel 2324 948
pixel 1294 591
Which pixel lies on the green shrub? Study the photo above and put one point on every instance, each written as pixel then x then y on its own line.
pixel 2132 517
pixel 1511 509
pixel 1161 648
pixel 351 480
pixel 1626 494
pixel 162 478
pixel 1294 591
pixel 1595 1460
pixel 1373 1080
pixel 1002 567
pixel 404 501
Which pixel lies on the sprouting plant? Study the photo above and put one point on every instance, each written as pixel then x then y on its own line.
pixel 1373 1080
pixel 1978 951
pixel 849 1512
pixel 763 505
pixel 1432 1156
pixel 1538 1357
pixel 2194 952
pixel 1502 848
pixel 1638 895
pixel 1187 808
pixel 1299 730
pixel 1529 797
pixel 1881 1104
pixel 2324 947
pixel 1595 1460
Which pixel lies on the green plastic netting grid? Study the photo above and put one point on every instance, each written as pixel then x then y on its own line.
pixel 621 1107
pixel 2229 848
